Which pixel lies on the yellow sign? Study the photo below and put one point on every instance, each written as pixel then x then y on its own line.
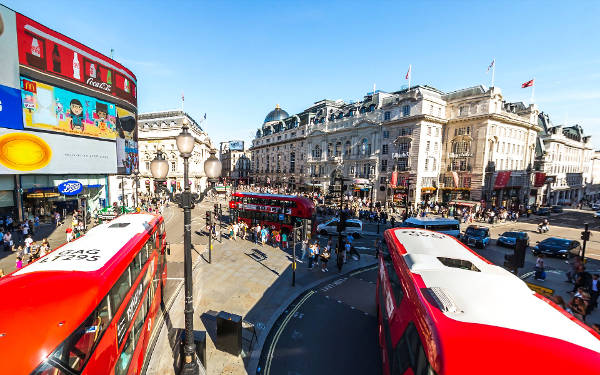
pixel 24 151
pixel 43 195
pixel 541 289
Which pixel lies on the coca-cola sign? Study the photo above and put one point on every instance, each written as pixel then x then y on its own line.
pixel 99 85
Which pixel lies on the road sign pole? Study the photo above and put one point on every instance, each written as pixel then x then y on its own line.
pixel 585 236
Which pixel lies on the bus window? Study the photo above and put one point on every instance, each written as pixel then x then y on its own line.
pixel 147 249
pixel 77 349
pixel 118 291
pixel 409 353
pixel 135 267
pixel 125 357
pixel 394 282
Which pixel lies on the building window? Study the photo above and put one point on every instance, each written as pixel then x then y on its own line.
pixel 386 115
pixel 347 148
pixel 383 180
pixel 147 165
pixel 406 110
pixel 429 130
pixel 292 162
pixel 173 166
pixel 384 149
pixel 329 150
pixel 427 146
pixel 463 110
pixel 433 165
pixel 427 164
pixel 386 134
pixel 338 148
pixel 384 164
pixel 316 152
pixel 366 147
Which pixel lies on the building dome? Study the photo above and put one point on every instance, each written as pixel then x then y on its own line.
pixel 276 114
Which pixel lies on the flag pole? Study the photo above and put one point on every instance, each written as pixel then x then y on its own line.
pixel 409 75
pixel 533 91
pixel 493 71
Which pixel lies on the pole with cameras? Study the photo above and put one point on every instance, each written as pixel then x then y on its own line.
pixel 186 200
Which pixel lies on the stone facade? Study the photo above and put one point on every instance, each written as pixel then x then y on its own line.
pixel 235 164
pixel 157 131
pixel 469 144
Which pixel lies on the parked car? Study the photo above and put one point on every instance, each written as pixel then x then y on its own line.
pixel 353 226
pixel 596 206
pixel 557 247
pixel 556 209
pixel 543 211
pixel 510 238
pixel 476 236
pixel 597 214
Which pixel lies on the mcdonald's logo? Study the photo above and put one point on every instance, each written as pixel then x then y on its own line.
pixel 29 86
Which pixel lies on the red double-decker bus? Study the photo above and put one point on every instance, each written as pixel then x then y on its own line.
pixel 442 309
pixel 89 306
pixel 284 212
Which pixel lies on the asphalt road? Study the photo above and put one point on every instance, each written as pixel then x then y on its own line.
pixel 331 329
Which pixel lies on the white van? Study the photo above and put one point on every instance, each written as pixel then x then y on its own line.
pixel 438 224
pixel 353 226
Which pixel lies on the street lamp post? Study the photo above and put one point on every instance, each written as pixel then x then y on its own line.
pixel 136 179
pixel 123 194
pixel 186 200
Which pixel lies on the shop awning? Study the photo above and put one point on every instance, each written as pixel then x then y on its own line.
pixel 459 202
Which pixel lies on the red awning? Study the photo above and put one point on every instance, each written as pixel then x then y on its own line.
pixel 502 179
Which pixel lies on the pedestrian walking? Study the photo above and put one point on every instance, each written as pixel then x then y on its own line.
pixel 284 241
pixel 304 248
pixel 540 274
pixel 325 258
pixel 69 232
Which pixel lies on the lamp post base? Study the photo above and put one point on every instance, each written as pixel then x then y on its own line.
pixel 191 368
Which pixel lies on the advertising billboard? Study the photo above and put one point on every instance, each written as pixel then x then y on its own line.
pixel 64 108
pixel 236 145
pixel 127 146
pixel 10 96
pixel 45 50
pixel 58 110
pixel 24 152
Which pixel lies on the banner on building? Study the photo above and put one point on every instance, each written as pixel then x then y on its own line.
pixel 540 179
pixel 394 180
pixel 455 178
pixel 502 179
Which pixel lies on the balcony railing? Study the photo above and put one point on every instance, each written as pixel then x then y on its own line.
pixel 466 168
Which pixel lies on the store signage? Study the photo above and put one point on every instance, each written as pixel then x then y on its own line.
pixel 43 195
pixel 70 187
pixel 460 155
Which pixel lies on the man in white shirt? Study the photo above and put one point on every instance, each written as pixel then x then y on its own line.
pixel 28 242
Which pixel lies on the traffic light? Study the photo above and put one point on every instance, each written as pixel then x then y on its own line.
pixel 509 261
pixel 585 235
pixel 342 223
pixel 208 217
pixel 216 208
pixel 520 247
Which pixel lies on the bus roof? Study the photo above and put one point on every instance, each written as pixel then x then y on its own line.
pixel 45 302
pixel 266 195
pixel 430 220
pixel 467 288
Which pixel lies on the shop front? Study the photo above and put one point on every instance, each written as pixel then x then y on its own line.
pixel 452 194
pixel 428 194
pixel 7 195
pixel 44 194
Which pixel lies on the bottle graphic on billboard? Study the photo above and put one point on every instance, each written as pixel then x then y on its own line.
pixel 35 48
pixel 76 72
pixel 93 70
pixel 126 85
pixel 56 59
pixel 108 78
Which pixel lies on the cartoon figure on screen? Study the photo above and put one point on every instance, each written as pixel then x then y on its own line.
pixel 60 111
pixel 76 112
pixel 101 114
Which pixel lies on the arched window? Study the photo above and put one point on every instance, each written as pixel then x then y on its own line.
pixel 371 107
pixel 365 147
pixel 338 148
pixel 340 115
pixel 347 148
pixel 329 149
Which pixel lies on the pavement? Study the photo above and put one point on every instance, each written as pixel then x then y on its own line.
pixel 246 279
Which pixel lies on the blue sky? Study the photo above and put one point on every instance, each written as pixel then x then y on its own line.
pixel 236 60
